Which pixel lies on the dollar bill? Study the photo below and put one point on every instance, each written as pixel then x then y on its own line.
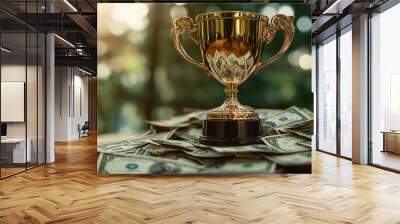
pixel 299 126
pixel 185 157
pixel 260 148
pixel 123 147
pixel 164 135
pixel 306 133
pixel 240 165
pixel 305 144
pixel 130 140
pixel 117 164
pixel 285 143
pixel 149 149
pixel 191 149
pixel 172 147
pixel 308 113
pixel 191 134
pixel 134 145
pixel 265 113
pixel 293 159
pixel 288 117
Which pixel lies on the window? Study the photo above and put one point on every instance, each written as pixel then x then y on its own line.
pixel 327 96
pixel 385 88
pixel 22 107
pixel 346 95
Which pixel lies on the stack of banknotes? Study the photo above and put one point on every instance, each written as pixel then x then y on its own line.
pixel 172 147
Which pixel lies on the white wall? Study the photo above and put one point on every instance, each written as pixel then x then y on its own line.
pixel 80 110
pixel 71 102
pixel 62 82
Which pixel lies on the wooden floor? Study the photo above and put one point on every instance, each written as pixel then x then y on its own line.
pixel 10 171
pixel 387 159
pixel 70 191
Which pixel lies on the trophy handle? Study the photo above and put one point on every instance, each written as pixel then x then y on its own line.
pixel 185 24
pixel 278 22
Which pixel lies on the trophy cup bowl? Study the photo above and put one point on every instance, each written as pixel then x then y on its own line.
pixel 231 45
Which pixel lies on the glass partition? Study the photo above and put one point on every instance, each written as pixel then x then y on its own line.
pixel 385 89
pixel 31 99
pixel 327 96
pixel 346 92
pixel 23 91
pixel 14 153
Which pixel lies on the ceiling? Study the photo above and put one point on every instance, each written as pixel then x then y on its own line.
pixel 76 22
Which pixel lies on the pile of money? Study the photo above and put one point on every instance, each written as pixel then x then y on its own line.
pixel 172 147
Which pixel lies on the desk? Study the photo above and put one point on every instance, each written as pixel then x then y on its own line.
pixel 13 150
pixel 391 141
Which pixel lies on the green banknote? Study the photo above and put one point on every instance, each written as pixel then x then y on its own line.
pixel 172 147
pixel 150 149
pixel 135 145
pixel 191 149
pixel 293 159
pixel 265 113
pixel 308 113
pixel 117 164
pixel 191 134
pixel 306 133
pixel 305 144
pixel 260 148
pixel 288 117
pixel 285 143
pixel 240 165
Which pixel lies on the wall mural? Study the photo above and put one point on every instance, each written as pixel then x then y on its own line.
pixel 162 68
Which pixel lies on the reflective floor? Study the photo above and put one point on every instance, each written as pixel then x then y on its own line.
pixel 387 159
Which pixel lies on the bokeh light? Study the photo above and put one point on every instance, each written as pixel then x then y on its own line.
pixel 294 56
pixel 305 61
pixel 132 15
pixel 269 10
pixel 177 11
pixel 304 24
pixel 286 10
pixel 101 48
pixel 127 13
pixel 132 79
pixel 300 58
pixel 103 72
pixel 116 28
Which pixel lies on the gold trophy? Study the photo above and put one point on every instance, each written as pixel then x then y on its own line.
pixel 231 45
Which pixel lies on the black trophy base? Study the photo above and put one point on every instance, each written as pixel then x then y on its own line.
pixel 231 132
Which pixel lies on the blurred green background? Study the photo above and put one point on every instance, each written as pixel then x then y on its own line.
pixel 142 77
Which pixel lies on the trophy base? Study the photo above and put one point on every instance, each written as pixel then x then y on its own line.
pixel 218 132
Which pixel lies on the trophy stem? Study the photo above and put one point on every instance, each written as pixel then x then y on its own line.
pixel 231 102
